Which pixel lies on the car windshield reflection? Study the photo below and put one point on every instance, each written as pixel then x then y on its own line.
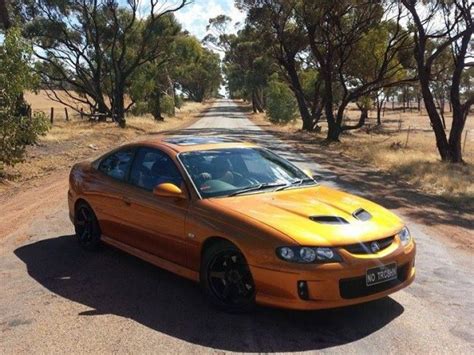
pixel 234 171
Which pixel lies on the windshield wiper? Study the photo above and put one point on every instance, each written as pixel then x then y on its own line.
pixel 257 188
pixel 297 182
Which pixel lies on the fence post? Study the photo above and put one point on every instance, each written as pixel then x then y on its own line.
pixel 67 115
pixel 52 115
pixel 82 113
pixel 408 135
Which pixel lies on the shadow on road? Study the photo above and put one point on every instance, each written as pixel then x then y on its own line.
pixel 112 282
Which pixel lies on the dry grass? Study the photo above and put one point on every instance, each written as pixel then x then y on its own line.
pixel 70 141
pixel 415 160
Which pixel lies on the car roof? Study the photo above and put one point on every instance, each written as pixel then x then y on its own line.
pixel 195 143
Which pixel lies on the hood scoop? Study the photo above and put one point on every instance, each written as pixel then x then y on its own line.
pixel 328 220
pixel 362 215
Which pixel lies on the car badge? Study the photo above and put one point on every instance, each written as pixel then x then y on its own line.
pixel 374 247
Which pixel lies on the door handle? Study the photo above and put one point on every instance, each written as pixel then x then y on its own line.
pixel 127 201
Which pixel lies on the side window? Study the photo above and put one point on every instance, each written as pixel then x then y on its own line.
pixel 153 167
pixel 116 165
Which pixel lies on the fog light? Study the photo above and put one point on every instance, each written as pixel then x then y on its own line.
pixel 303 290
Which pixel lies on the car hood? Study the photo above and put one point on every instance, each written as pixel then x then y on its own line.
pixel 302 214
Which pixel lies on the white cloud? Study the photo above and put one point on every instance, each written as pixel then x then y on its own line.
pixel 195 16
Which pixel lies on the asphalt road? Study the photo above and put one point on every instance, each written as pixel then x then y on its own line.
pixel 55 298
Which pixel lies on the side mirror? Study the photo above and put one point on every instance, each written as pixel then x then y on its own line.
pixel 168 190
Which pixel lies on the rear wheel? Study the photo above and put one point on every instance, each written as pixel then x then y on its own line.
pixel 226 278
pixel 86 227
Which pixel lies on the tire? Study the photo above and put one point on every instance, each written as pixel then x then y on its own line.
pixel 86 227
pixel 226 278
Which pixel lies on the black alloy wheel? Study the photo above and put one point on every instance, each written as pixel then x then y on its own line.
pixel 226 278
pixel 86 227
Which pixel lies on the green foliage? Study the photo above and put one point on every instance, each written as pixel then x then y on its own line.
pixel 281 104
pixel 167 105
pixel 16 75
pixel 140 108
pixel 178 101
pixel 200 78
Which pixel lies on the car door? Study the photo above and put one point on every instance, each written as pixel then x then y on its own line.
pixel 106 192
pixel 158 226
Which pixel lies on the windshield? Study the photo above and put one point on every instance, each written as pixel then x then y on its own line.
pixel 223 172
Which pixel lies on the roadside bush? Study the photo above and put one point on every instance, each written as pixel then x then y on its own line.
pixel 140 108
pixel 167 105
pixel 178 101
pixel 17 130
pixel 281 104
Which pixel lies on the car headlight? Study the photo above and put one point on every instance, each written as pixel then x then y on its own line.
pixel 307 255
pixel 404 236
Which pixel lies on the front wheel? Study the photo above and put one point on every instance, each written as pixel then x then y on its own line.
pixel 226 278
pixel 86 227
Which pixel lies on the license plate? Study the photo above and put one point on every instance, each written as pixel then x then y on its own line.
pixel 381 274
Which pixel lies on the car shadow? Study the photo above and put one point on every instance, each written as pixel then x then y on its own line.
pixel 112 282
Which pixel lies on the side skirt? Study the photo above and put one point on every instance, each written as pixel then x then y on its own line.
pixel 153 259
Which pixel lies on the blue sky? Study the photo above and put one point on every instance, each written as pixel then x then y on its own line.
pixel 195 16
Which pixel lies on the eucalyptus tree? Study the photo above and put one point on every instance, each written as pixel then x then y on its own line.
pixel 444 26
pixel 90 49
pixel 248 66
pixel 276 26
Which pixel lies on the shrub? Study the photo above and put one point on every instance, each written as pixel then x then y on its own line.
pixel 178 101
pixel 167 105
pixel 140 108
pixel 17 130
pixel 281 104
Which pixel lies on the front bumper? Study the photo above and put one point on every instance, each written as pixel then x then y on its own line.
pixel 333 285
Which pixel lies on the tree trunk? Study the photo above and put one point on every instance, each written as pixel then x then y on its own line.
pixel 441 111
pixel 4 16
pixel 435 119
pixel 364 114
pixel 118 109
pixel 298 92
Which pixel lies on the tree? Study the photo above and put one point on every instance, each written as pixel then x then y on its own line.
pixel 200 78
pixel 431 41
pixel 281 102
pixel 17 128
pixel 335 30
pixel 185 69
pixel 91 48
pixel 333 38
pixel 248 66
pixel 278 30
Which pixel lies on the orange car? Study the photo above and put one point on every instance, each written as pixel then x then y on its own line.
pixel 248 225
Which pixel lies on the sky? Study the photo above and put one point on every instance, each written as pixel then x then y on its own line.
pixel 195 16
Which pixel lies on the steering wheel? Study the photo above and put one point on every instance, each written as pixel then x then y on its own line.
pixel 239 179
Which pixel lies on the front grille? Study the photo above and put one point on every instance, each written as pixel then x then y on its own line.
pixel 365 248
pixel 356 287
